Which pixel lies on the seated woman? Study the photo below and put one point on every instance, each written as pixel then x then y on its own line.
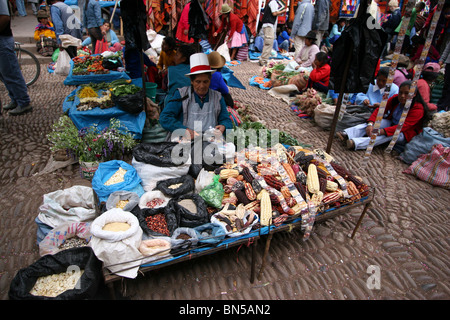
pixel 284 39
pixel 195 107
pixel 358 137
pixel 336 30
pixel 319 78
pixel 44 35
pixel 307 54
pixel 109 35
pixel 175 74
pixel 217 61
pixel 418 44
pixel 428 76
pixel 374 95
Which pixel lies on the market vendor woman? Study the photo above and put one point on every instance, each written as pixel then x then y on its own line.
pixel 197 103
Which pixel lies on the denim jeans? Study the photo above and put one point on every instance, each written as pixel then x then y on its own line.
pixel 20 4
pixel 10 73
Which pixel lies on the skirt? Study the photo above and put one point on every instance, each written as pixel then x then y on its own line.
pixel 237 40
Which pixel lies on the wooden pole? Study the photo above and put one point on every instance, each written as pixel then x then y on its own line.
pixel 114 11
pixel 266 251
pixel 339 102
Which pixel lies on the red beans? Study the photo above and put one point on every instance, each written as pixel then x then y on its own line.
pixel 157 223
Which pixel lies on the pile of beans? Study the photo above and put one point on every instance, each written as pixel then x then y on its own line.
pixel 157 223
pixel 155 202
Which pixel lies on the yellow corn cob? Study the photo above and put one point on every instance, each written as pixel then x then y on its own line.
pixel 332 186
pixel 227 173
pixel 312 179
pixel 317 198
pixel 266 209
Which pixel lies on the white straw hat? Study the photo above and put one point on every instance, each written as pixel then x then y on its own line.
pixel 199 64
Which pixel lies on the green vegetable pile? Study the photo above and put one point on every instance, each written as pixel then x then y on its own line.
pixel 125 89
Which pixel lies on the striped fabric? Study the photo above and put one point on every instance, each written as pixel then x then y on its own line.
pixel 433 167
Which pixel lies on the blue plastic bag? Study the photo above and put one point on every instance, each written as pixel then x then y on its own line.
pixel 132 182
pixel 217 233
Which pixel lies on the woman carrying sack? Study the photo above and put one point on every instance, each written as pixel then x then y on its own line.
pixel 235 30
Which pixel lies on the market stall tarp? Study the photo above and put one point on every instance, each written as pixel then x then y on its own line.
pixel 74 80
pixel 133 122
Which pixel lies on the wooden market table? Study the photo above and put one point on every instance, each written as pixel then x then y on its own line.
pixel 250 239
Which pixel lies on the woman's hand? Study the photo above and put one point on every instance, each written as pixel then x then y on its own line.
pixel 369 130
pixel 366 102
pixel 221 128
pixel 215 34
pixel 190 134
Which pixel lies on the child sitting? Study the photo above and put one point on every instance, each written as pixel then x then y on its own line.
pixel 109 36
pixel 44 34
pixel 319 77
pixel 166 59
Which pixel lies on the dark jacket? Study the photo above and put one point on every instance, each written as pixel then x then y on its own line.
pixel 393 21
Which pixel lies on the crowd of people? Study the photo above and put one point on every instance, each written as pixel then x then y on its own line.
pixel 310 38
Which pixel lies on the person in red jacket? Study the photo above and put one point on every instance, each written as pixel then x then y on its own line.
pixel 183 25
pixel 234 27
pixel 319 77
pixel 358 137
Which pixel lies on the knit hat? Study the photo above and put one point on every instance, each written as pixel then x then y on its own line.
pixel 405 61
pixel 225 9
pixel 393 3
pixel 216 60
pixel 199 64
pixel 432 66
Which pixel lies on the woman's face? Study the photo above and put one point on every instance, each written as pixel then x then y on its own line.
pixel 200 83
pixel 106 27
pixel 308 42
pixel 403 94
pixel 44 20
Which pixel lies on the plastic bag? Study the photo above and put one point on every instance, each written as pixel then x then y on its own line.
pixel 74 204
pixel 171 189
pixel 55 55
pixel 63 63
pixel 116 196
pixel 57 236
pixel 111 64
pixel 323 115
pixel 153 162
pixel 210 233
pixel 187 217
pixel 204 179
pixel 180 245
pixel 132 103
pixel 156 198
pixel 224 51
pixel 119 250
pixel 291 66
pixel 353 116
pixel 231 233
pixel 213 193
pixel 105 170
pixel 170 216
pixel 64 261
pixel 155 248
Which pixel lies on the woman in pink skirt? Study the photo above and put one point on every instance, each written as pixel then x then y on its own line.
pixel 235 30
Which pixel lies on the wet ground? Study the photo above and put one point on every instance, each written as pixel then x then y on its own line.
pixel 405 235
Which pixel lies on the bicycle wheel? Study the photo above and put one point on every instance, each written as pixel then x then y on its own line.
pixel 29 65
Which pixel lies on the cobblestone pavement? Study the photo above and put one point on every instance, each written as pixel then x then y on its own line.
pixel 405 234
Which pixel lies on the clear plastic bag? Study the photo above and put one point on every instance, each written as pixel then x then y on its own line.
pixel 213 193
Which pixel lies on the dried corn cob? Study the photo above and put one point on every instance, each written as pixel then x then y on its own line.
pixel 273 182
pixel 266 209
pixel 247 175
pixel 312 179
pixel 249 192
pixel 287 167
pixel 227 173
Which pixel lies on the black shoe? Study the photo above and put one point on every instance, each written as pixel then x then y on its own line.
pixel 342 136
pixel 10 106
pixel 350 144
pixel 21 110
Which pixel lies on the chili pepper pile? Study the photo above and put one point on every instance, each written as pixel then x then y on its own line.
pixel 155 202
pixel 157 223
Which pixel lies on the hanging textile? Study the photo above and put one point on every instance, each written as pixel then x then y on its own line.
pixel 198 22
pixel 367 43
pixel 253 9
pixel 348 8
pixel 134 19
pixel 334 10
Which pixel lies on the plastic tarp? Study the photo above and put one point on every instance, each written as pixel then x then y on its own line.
pixel 73 80
pixel 230 78
pixel 134 123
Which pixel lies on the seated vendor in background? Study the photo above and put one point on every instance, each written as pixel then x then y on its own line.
pixel 196 103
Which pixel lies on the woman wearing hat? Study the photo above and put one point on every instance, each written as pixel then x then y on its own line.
pixel 196 107
pixel 429 74
pixel 307 54
pixel 235 30
pixel 44 34
pixel 402 72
